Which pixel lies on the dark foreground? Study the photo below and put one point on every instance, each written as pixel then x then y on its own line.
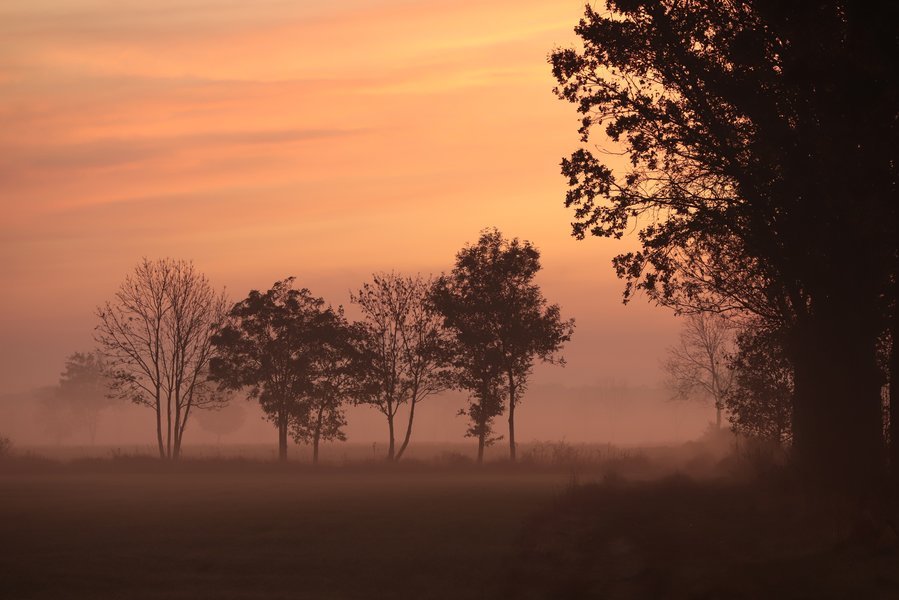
pixel 245 531
pixel 680 539
pixel 270 534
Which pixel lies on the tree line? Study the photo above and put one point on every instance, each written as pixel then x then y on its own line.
pixel 169 341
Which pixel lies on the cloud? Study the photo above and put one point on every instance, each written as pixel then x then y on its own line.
pixel 113 152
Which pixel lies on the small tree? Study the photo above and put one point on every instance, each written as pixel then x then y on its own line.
pixel 336 368
pixel 698 365
pixel 406 348
pixel 221 421
pixel 53 415
pixel 269 345
pixel 760 401
pixel 156 336
pixel 84 388
pixel 492 304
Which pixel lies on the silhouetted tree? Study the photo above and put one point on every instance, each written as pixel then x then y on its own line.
pixel 54 413
pixel 84 389
pixel 156 337
pixel 762 179
pixel 760 401
pixel 222 420
pixel 405 346
pixel 492 304
pixel 269 345
pixel 698 365
pixel 336 369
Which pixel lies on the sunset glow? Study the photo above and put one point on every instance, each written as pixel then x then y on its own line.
pixel 266 139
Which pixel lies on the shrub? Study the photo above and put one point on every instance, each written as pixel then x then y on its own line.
pixel 5 446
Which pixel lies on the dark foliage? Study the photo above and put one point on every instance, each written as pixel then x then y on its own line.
pixel 501 323
pixel 760 403
pixel 762 141
pixel 279 345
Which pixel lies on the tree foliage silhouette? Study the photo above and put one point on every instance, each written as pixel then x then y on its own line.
pixel 760 401
pixel 337 373
pixel 84 390
pixel 271 344
pixel 500 320
pixel 761 144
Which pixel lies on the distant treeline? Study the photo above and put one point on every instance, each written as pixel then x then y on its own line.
pixel 169 341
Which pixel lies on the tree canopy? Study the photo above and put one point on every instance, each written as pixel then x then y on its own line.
pixel 761 146
pixel 269 345
pixel 501 322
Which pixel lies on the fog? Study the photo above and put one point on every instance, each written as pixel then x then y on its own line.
pixel 610 413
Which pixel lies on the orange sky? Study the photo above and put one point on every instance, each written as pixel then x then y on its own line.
pixel 264 139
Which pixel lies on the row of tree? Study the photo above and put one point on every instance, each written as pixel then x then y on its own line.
pixel 170 342
pixel 762 174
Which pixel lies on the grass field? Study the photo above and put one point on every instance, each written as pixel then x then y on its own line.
pixel 602 525
pixel 268 533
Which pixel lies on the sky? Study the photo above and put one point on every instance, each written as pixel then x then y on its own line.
pixel 323 140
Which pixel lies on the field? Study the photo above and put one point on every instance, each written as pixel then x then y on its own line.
pixel 238 532
pixel 621 525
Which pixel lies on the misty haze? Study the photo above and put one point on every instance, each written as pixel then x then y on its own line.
pixel 412 299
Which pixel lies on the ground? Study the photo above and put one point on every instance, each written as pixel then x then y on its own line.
pixel 137 528
pixel 677 538
pixel 243 533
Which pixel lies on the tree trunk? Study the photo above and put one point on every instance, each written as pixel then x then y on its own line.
pixel 481 444
pixel 408 435
pixel 894 393
pixel 391 448
pixel 717 414
pixel 837 415
pixel 159 428
pixel 317 434
pixel 512 401
pixel 168 431
pixel 282 437
pixel 176 450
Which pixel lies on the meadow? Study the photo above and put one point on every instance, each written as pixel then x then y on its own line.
pixel 567 522
pixel 236 529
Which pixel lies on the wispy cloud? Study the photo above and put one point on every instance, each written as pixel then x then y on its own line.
pixel 113 152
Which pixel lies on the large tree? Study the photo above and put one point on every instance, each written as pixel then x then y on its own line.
pixel 761 139
pixel 269 345
pixel 492 304
pixel 156 337
pixel 405 347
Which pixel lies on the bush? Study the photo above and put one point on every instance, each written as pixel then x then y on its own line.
pixel 5 446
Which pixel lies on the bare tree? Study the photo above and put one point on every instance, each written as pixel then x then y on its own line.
pixel 156 336
pixel 698 366
pixel 406 348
